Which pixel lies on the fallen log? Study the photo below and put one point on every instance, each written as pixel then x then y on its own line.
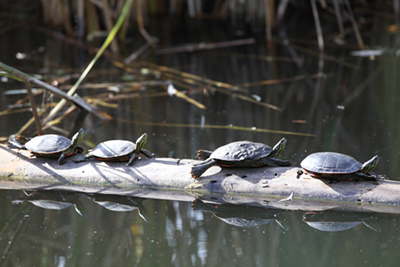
pixel 167 178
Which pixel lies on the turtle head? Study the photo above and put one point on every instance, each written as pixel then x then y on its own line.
pixel 278 147
pixel 77 138
pixel 369 165
pixel 141 141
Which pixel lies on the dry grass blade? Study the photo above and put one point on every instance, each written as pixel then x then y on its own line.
pixel 118 84
pixel 219 86
pixel 19 102
pixel 106 43
pixel 118 97
pixel 137 53
pixel 194 77
pixel 354 23
pixel 140 22
pixel 329 58
pixel 172 91
pixel 222 127
pixel 29 123
pixel 204 46
pixel 19 75
pixel 283 80
pixel 58 120
pixel 249 99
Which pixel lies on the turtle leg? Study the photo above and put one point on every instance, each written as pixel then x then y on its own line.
pixel 366 177
pixel 65 153
pixel 81 158
pixel 199 169
pixel 61 159
pixel 133 157
pixel 148 154
pixel 203 154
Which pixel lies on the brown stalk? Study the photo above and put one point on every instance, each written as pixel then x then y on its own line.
pixel 141 24
pixel 204 46
pixel 109 24
pixel 268 20
pixel 339 18
pixel 34 110
pixel 317 26
pixel 66 15
pixel 276 81
pixel 355 27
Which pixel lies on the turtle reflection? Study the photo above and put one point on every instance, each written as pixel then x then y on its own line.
pixel 335 221
pixel 53 200
pixel 242 216
pixel 122 204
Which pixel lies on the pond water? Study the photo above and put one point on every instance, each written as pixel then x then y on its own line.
pixel 336 102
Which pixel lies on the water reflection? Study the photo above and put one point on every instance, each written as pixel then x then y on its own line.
pixel 242 216
pixel 335 221
pixel 53 200
pixel 122 204
pixel 127 230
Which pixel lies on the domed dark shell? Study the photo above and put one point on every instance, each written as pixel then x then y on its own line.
pixel 241 150
pixel 330 163
pixel 49 143
pixel 113 149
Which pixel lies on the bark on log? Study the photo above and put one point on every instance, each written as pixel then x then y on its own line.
pixel 166 178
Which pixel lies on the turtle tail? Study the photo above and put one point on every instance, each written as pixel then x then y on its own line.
pixel 203 154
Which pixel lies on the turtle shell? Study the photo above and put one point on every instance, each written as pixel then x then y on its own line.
pixel 241 150
pixel 330 163
pixel 48 144
pixel 113 149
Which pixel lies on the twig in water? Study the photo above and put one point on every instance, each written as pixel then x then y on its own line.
pixel 290 198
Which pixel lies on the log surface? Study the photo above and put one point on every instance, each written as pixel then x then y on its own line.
pixel 167 178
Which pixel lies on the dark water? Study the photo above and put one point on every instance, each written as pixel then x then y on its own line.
pixel 352 108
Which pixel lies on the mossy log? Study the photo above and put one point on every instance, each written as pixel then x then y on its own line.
pixel 167 178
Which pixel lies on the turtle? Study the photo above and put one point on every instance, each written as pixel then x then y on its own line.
pixel 49 145
pixel 337 166
pixel 118 150
pixel 240 154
